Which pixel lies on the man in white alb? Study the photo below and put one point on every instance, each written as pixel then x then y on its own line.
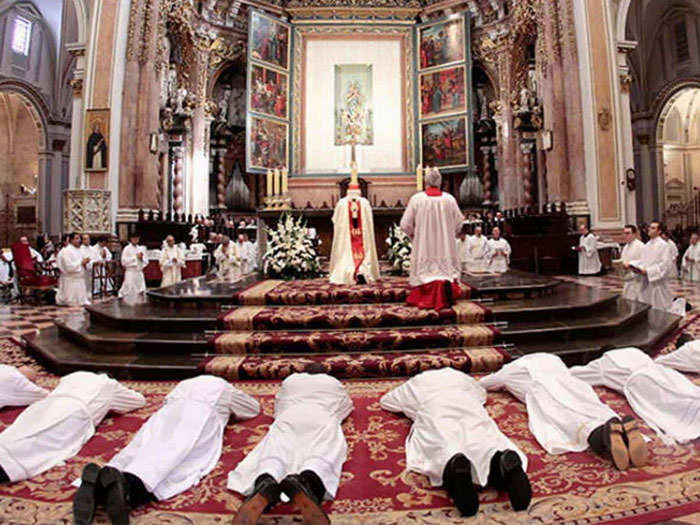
pixel 674 249
pixel 564 413
pixel 303 452
pixel 691 260
pixel 432 220
pixel 243 248
pixel 17 387
pixel 631 252
pixel 588 258
pixel 73 264
pixel 478 252
pixel 498 250
pixel 56 427
pixel 177 447
pixel 455 442
pixel 172 261
pixel 462 243
pixel 88 252
pixel 228 260
pixel 656 268
pixel 134 260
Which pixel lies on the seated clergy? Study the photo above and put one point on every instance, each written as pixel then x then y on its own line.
pixel 302 454
pixel 455 442
pixel 354 252
pixel 690 265
pixel 17 387
pixel 228 260
pixel 56 427
pixel 432 220
pixel 588 258
pixel 172 261
pixel 171 452
pixel 134 260
pixel 72 264
pixel 498 250
pixel 565 414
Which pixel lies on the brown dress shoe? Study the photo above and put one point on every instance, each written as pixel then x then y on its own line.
pixel 266 494
pixel 637 447
pixel 304 500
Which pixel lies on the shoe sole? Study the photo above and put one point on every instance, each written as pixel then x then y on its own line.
pixel 250 511
pixel 618 449
pixel 637 447
pixel 115 498
pixel 85 499
pixel 462 484
pixel 312 512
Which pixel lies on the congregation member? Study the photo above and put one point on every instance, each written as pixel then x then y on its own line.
pixel 72 263
pixel 454 441
pixel 18 387
pixel 588 258
pixel 228 260
pixel 499 251
pixel 303 452
pixel 432 220
pixel 172 261
pixel 477 252
pixel 690 265
pixel 56 427
pixel 564 413
pixel 632 251
pixel 186 437
pixel 134 259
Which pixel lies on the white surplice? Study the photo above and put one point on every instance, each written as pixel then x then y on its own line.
pixel 342 264
pixel 228 261
pixel 252 252
pixel 588 258
pixel 72 288
pixel 182 442
pixel 562 409
pixel 306 435
pixel 655 259
pixel 16 390
pixel 674 256
pixel 172 261
pixel 478 250
pixel 134 281
pixel 691 269
pixel 88 253
pixel 498 255
pixel 447 409
pixel 56 427
pixel 432 223
pixel 664 398
pixel 633 282
pixel 246 257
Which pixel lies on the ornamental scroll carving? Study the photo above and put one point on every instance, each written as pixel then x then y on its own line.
pixel 87 211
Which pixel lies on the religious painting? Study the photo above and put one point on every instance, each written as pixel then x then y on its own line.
pixel 268 91
pixel 267 143
pixel 443 92
pixel 353 104
pixel 97 140
pixel 442 43
pixel 444 143
pixel 269 40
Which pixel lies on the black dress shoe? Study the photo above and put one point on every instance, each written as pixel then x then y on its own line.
pixel 86 497
pixel 457 480
pixel 265 496
pixel 116 495
pixel 304 499
pixel 515 481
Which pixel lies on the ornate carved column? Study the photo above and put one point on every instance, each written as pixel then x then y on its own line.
pixel 527 149
pixel 220 179
pixel 178 174
pixel 486 178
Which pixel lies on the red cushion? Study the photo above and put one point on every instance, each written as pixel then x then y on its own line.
pixel 37 280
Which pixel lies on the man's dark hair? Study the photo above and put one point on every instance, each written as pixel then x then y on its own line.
pixel 632 227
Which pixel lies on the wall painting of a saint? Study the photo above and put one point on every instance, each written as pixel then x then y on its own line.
pixel 97 140
pixel 353 104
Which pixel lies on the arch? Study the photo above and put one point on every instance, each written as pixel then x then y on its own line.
pixel 669 92
pixel 36 105
pixel 81 12
pixel 623 10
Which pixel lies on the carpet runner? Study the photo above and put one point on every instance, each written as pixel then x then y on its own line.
pixel 348 316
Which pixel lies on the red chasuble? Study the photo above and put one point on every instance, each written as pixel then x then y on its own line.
pixel 356 241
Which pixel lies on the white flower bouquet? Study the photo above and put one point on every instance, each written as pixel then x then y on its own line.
pixel 399 253
pixel 291 253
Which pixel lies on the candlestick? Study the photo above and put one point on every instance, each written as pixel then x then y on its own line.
pixel 353 174
pixel 419 178
pixel 285 180
pixel 277 181
pixel 269 183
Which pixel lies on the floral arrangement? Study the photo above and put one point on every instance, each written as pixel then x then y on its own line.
pixel 400 248
pixel 291 252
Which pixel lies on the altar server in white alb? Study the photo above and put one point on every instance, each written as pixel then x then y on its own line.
pixel 55 428
pixel 73 264
pixel 656 268
pixel 690 266
pixel 177 447
pixel 172 261
pixel 588 258
pixel 663 397
pixel 17 387
pixel 455 442
pixel 228 260
pixel 498 250
pixel 432 220
pixel 245 250
pixel 673 249
pixel 462 243
pixel 564 413
pixel 632 251
pixel 88 252
pixel 134 260
pixel 354 252
pixel 102 256
pixel 477 252
pixel 303 452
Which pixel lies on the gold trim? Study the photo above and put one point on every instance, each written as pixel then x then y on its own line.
pixel 233 343
pixel 468 312
pixel 243 318
pixel 256 295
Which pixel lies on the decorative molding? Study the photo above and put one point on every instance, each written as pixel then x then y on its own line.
pixel 87 211
pixel 604 119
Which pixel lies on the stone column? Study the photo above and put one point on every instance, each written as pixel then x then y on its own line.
pixel 526 149
pixel 43 183
pixel 625 120
pixel 178 179
pixel 75 179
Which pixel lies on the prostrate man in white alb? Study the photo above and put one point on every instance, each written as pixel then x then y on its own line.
pixel 455 442
pixel 631 252
pixel 177 447
pixel 73 264
pixel 134 260
pixel 302 453
pixel 354 252
pixel 228 260
pixel 55 428
pixel 17 387
pixel 564 413
pixel 172 261
pixel 690 266
pixel 498 250
pixel 478 252
pixel 656 268
pixel 588 258
pixel 663 397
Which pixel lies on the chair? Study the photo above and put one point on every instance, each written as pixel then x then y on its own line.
pixel 33 278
